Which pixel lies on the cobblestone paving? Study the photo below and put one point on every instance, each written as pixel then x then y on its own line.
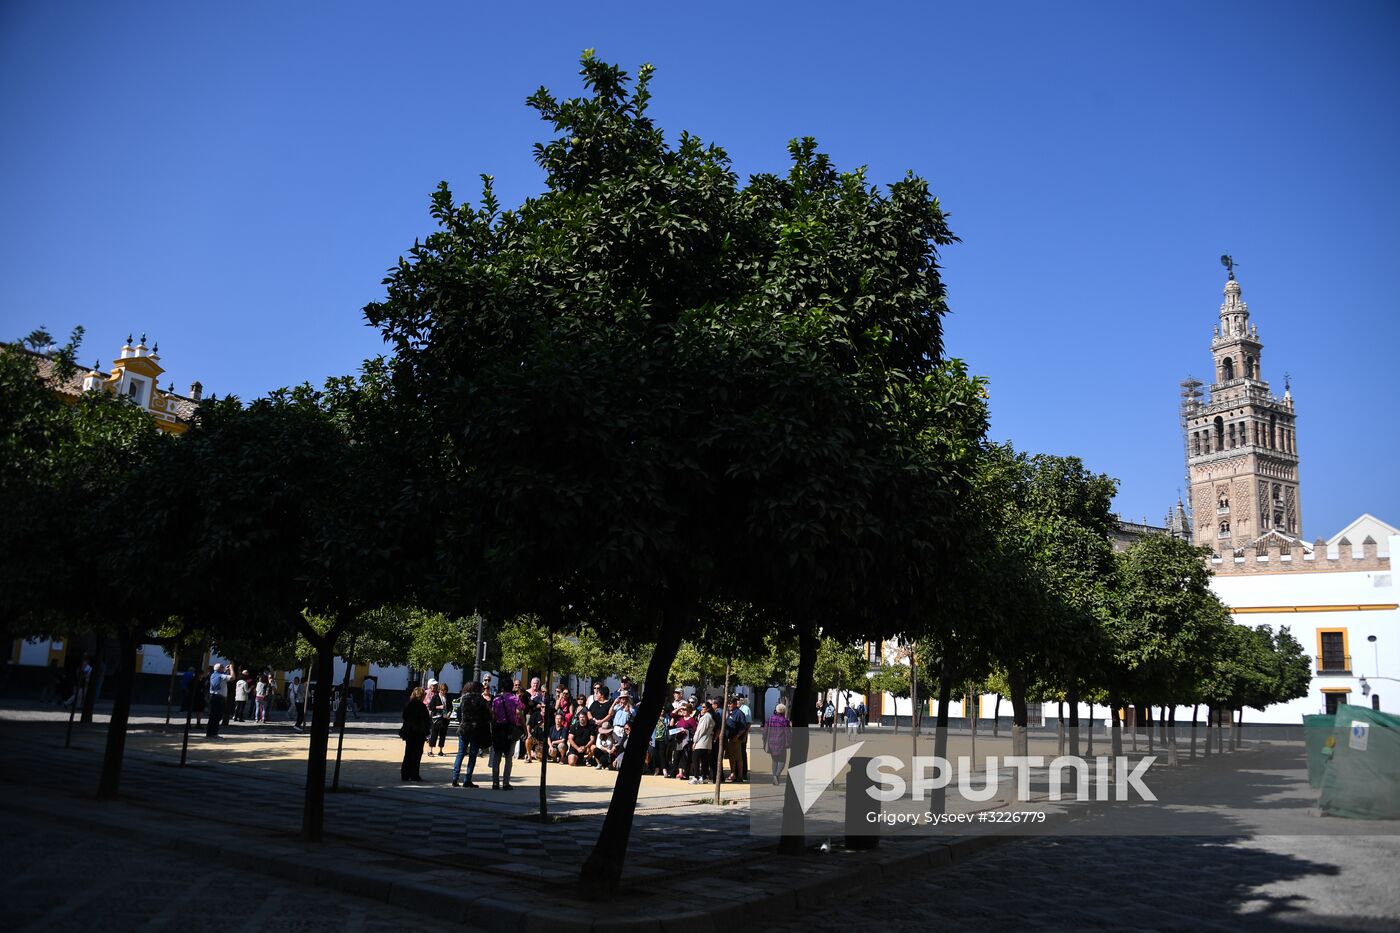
pixel 97 883
pixel 1138 883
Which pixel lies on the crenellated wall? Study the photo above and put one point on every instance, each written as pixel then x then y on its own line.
pixel 1319 559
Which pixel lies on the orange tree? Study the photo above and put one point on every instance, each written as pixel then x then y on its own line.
pixel 657 388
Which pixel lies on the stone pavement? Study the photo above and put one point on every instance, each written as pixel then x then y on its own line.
pixel 475 857
pixel 462 856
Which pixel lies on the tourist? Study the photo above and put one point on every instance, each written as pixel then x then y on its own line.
pixel 600 708
pixel 581 738
pixel 473 730
pixel 604 746
pixel 229 687
pixel 261 694
pixel 296 696
pixel 558 739
pixel 217 682
pixel 620 750
pixel 622 712
pixel 367 687
pixel 416 723
pixel 240 698
pixel 777 737
pixel 682 731
pixel 507 727
pixel 702 747
pixel 438 710
pixel 565 705
pixel 852 719
pixel 736 729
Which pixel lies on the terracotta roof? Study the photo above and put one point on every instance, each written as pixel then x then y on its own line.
pixel 181 407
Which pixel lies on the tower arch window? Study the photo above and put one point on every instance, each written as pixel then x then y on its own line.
pixel 1273 432
pixel 1249 367
pixel 1219 433
pixel 1227 369
pixel 1195 443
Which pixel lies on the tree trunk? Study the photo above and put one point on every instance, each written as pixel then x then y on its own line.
pixel 121 712
pixel 1116 725
pixel 1239 728
pixel 1060 729
pixel 723 724
pixel 1072 698
pixel 602 871
pixel 340 715
pixel 996 717
pixel 973 701
pixel 1151 733
pixel 196 685
pixel 1020 718
pixel 546 720
pixel 1210 718
pixel 1090 749
pixel 313 814
pixel 913 704
pixel 1195 714
pixel 793 841
pixel 1170 719
pixel 938 802
pixel 1132 712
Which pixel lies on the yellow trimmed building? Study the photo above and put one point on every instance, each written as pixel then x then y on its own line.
pixel 134 375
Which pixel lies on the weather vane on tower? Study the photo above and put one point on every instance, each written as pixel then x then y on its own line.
pixel 1228 262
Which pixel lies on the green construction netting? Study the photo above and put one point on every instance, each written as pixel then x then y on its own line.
pixel 1316 731
pixel 1363 778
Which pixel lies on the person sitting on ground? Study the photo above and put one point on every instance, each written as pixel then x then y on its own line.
pixel 558 747
pixel 604 747
pixel 581 736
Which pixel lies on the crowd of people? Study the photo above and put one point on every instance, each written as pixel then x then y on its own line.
pixel 696 739
pixel 527 724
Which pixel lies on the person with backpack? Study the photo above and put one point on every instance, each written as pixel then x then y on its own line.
pixel 473 730
pixel 507 726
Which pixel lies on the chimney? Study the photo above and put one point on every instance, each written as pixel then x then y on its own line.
pixel 196 390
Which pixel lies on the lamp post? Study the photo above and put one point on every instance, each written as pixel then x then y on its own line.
pixel 1377 648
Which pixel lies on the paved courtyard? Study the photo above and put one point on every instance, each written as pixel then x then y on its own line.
pixel 214 846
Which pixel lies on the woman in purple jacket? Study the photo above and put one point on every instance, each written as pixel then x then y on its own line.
pixel 777 736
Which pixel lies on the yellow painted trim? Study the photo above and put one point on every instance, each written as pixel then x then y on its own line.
pixel 1346 646
pixel 1336 690
pixel 1363 607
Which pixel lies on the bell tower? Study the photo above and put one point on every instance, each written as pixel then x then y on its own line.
pixel 1241 442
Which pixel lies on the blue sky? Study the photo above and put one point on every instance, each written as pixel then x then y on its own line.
pixel 235 179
